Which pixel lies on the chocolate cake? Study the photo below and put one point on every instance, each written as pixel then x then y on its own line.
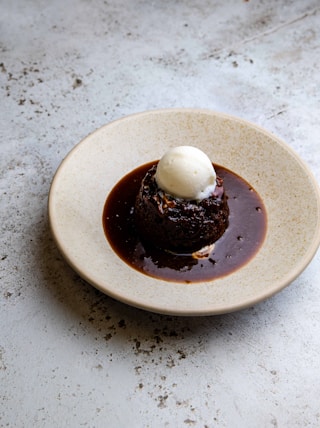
pixel 176 224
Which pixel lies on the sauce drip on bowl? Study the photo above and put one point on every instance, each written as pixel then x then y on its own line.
pixel 237 246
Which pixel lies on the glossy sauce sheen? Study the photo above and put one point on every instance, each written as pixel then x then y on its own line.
pixel 240 242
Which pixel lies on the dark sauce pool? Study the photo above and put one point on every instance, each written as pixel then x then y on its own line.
pixel 240 242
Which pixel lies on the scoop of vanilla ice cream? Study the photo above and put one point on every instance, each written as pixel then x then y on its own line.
pixel 186 172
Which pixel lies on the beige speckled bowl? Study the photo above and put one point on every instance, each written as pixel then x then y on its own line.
pixel 95 165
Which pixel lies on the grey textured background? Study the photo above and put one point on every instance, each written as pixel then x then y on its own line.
pixel 70 356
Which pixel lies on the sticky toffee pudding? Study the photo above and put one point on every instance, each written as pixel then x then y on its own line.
pixel 184 239
pixel 179 225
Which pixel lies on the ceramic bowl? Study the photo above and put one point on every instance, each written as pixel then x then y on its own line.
pixel 88 173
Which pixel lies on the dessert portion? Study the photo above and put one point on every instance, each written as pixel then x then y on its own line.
pixel 181 205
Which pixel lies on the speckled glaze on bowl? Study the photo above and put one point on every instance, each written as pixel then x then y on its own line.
pixel 85 177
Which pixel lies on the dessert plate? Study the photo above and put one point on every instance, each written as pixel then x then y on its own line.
pixel 88 173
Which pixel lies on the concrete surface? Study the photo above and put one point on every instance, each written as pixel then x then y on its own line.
pixel 72 357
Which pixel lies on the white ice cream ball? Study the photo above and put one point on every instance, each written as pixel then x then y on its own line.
pixel 186 172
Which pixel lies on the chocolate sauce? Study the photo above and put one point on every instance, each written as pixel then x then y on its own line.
pixel 239 243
